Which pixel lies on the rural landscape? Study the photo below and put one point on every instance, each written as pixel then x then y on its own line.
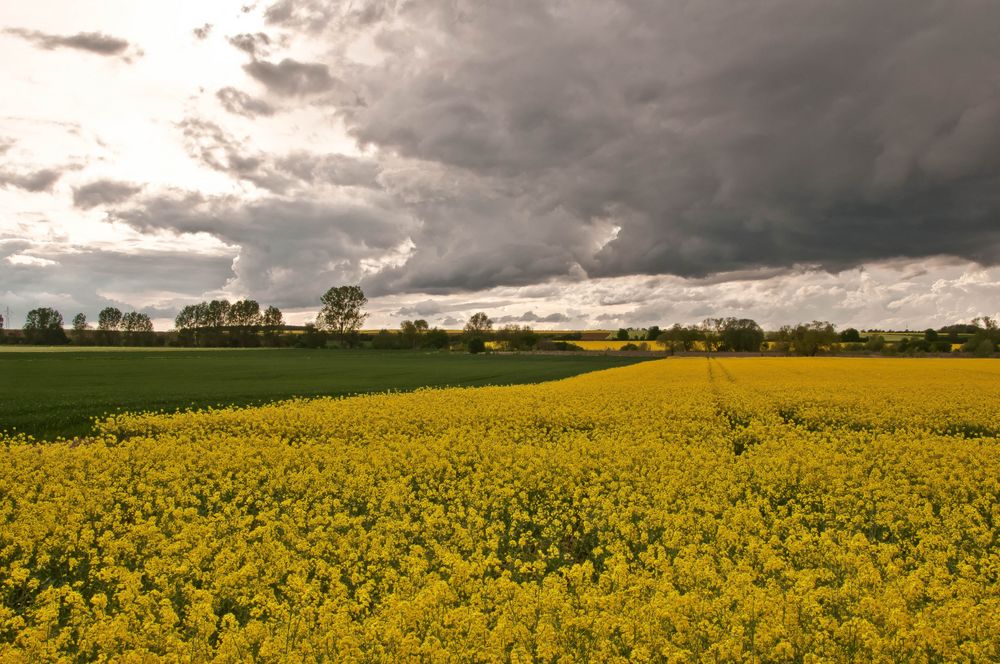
pixel 465 331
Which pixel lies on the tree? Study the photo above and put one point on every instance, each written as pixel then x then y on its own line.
pixel 109 322
pixel 215 314
pixel 653 333
pixel 244 319
pixel 342 311
pixel 622 334
pixel 851 336
pixel 138 328
pixel 984 348
pixel 739 334
pixel 244 314
pixel 875 342
pixel 711 329
pixel 986 323
pixel 478 326
pixel 272 321
pixel 515 337
pixel 186 323
pixel 44 326
pixel 436 339
pixel 678 338
pixel 809 338
pixel 477 345
pixel 311 337
pixel 386 340
pixel 411 331
pixel 79 327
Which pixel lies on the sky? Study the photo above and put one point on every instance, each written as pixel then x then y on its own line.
pixel 569 164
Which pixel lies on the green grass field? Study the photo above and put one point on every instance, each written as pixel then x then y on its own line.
pixel 57 392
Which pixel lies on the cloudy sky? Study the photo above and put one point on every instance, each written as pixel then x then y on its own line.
pixel 564 163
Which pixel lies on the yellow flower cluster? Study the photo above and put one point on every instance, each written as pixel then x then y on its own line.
pixel 681 510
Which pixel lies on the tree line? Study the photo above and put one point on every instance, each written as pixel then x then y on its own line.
pixel 245 323
pixel 45 326
pixel 223 323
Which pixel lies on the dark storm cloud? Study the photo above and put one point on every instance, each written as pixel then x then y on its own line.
pixel 73 281
pixel 291 77
pixel 33 181
pixel 333 169
pixel 93 42
pixel 103 192
pixel 240 103
pixel 602 139
pixel 210 144
pixel 287 248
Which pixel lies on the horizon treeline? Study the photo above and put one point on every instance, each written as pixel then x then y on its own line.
pixel 244 323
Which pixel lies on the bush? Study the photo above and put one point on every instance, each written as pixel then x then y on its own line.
pixel 875 343
pixel 386 340
pixel 549 344
pixel 311 338
pixel 436 339
pixel 984 348
pixel 476 345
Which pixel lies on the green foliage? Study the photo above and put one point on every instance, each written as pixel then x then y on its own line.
pixel 478 326
pixel 515 337
pixel 436 338
pixel 109 319
pixel 412 333
pixel 809 338
pixel 739 335
pixel 476 345
pixel 221 323
pixel 557 345
pixel 342 312
pixel 851 336
pixel 311 337
pixel 679 338
pixel 44 326
pixel 876 343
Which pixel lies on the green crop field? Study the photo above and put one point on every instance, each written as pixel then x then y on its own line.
pixel 57 392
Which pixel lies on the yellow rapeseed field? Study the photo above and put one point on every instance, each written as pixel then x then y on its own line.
pixel 680 510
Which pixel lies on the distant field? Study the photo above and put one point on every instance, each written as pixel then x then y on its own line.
pixel 56 392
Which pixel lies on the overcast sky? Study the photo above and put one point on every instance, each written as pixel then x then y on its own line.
pixel 562 163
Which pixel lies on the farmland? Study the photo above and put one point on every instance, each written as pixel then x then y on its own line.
pixel 747 509
pixel 57 392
